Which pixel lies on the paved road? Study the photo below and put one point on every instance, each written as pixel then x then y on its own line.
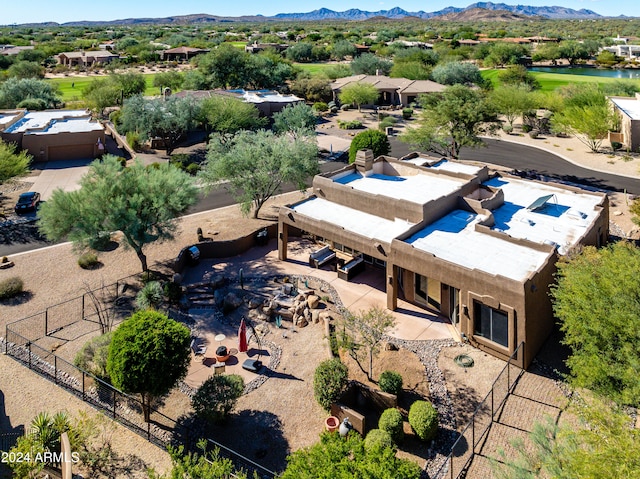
pixel 521 157
pixel 215 199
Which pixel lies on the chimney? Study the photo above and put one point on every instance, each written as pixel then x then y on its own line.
pixel 364 162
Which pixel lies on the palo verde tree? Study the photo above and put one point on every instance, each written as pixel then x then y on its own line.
pixel 358 94
pixel 256 164
pixel 139 201
pixel 227 115
pixel 295 119
pixel 363 334
pixel 453 119
pixel 595 300
pixel 512 101
pixel 149 353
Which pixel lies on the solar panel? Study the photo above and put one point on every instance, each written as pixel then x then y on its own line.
pixel 539 203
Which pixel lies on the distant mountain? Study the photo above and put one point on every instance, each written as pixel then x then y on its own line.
pixel 349 15
pixel 481 14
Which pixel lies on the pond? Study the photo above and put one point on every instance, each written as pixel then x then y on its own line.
pixel 608 73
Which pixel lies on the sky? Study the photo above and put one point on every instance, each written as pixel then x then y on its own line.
pixel 36 11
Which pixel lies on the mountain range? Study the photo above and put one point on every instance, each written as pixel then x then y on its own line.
pixel 353 14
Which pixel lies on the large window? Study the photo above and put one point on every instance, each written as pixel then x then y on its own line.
pixel 491 323
pixel 427 291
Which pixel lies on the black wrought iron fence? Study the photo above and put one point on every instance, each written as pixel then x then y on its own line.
pixel 469 442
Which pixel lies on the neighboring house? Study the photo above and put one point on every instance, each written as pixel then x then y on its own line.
pixel 268 102
pixel 628 110
pixel 53 134
pixel 393 91
pixel 628 52
pixel 476 248
pixel 181 53
pixel 256 47
pixel 86 59
pixel 13 50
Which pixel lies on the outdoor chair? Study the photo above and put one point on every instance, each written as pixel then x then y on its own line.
pixel 198 350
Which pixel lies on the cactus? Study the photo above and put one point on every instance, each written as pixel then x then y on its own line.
pixel 200 237
pixel 241 274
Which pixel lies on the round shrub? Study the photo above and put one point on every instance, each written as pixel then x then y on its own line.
pixel 150 296
pixel 372 139
pixel 406 113
pixel 534 134
pixel 93 356
pixel 329 380
pixel 508 129
pixel 11 287
pixel 423 418
pixel 88 260
pixel 320 106
pixel 616 145
pixel 391 421
pixel 378 439
pixel 390 382
pixel 217 396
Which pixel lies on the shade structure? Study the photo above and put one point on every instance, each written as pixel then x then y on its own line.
pixel 242 337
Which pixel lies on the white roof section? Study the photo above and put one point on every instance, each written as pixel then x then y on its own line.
pixel 563 220
pixel 453 238
pixel 7 117
pixel 271 97
pixel 456 167
pixel 420 188
pixel 355 221
pixel 629 106
pixel 54 121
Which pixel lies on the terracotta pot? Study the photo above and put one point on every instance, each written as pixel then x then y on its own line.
pixel 332 423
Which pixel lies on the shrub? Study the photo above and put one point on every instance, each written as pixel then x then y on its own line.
pixel 526 128
pixel 217 396
pixel 407 113
pixel 133 139
pixel 391 421
pixel 329 380
pixel 534 134
pixel 616 145
pixel 11 287
pixel 373 139
pixel 199 233
pixel 5 259
pixel 320 106
pixel 93 356
pixel 192 169
pixel 172 291
pixel 508 129
pixel 423 418
pixel 36 104
pixel 390 382
pixel 88 260
pixel 384 124
pixel 349 125
pixel 378 439
pixel 150 296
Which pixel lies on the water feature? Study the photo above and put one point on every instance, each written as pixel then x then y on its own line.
pixel 605 72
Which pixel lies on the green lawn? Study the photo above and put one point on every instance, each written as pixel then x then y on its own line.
pixel 71 87
pixel 238 44
pixel 313 68
pixel 551 81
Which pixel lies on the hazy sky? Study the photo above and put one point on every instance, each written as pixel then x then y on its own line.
pixel 27 11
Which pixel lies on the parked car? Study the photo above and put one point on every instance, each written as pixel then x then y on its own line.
pixel 28 201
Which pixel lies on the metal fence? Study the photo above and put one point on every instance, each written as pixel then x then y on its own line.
pixel 471 438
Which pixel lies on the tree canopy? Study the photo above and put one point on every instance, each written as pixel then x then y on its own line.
pixel 12 163
pixel 457 73
pixel 139 201
pixel 596 301
pixel 453 119
pixel 256 164
pixel 295 119
pixel 14 91
pixel 359 94
pixel 512 101
pixel 369 139
pixel 149 353
pixel 227 115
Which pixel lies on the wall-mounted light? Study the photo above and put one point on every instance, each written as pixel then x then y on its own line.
pixel 280 235
pixel 465 310
pixel 390 279
pixel 290 216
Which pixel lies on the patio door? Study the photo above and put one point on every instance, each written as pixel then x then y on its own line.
pixel 454 307
pixel 427 291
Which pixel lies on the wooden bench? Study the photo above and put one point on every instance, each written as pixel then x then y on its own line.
pixel 321 257
pixel 351 268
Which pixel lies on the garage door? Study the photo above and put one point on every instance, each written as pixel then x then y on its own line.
pixel 70 152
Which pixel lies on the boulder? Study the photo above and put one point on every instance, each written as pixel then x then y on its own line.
pixel 257 315
pixel 218 297
pixel 325 315
pixel 232 301
pixel 315 316
pixel 313 301
pixel 255 302
pixel 217 281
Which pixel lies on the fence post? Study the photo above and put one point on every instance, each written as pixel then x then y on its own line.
pixel 83 396
pixel 46 321
pixel 29 344
pixel 149 430
pixel 114 404
pixel 492 411
pixel 55 368
pixel 83 305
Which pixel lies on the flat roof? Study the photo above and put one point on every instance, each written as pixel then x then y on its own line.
pixel 419 188
pixel 456 167
pixel 453 238
pixel 6 118
pixel 630 106
pixel 58 121
pixel 563 219
pixel 355 221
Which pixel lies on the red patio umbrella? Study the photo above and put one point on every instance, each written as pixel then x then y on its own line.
pixel 242 337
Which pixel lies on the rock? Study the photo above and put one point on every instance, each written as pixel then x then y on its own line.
pixel 177 278
pixel 232 301
pixel 217 281
pixel 313 301
pixel 254 302
pixel 218 297
pixel 315 316
pixel 390 347
pixel 300 321
pixel 257 315
pixel 324 315
pixel 307 314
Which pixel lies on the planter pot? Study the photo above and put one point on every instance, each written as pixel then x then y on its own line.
pixel 332 423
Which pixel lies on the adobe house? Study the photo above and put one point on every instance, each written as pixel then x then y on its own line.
pixel 628 111
pixel 267 102
pixel 393 91
pixel 479 249
pixel 53 134
pixel 86 59
pixel 181 53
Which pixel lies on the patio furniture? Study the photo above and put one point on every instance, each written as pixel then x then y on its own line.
pixel 198 350
pixel 321 257
pixel 252 365
pixel 351 268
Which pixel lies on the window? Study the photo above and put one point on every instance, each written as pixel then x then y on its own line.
pixel 491 323
pixel 427 291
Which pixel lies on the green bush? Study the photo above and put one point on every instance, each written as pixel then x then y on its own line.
pixel 508 129
pixel 320 106
pixel 192 169
pixel 407 113
pixel 150 296
pixel 11 287
pixel 390 382
pixel 372 139
pixel 35 104
pixel 93 356
pixel 616 145
pixel 172 291
pixel 88 260
pixel 349 125
pixel 133 139
pixel 423 418
pixel 217 396
pixel 526 128
pixel 384 124
pixel 329 380
pixel 391 421
pixel 534 134
pixel 378 439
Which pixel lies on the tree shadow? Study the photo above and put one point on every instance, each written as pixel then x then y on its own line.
pixel 17 300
